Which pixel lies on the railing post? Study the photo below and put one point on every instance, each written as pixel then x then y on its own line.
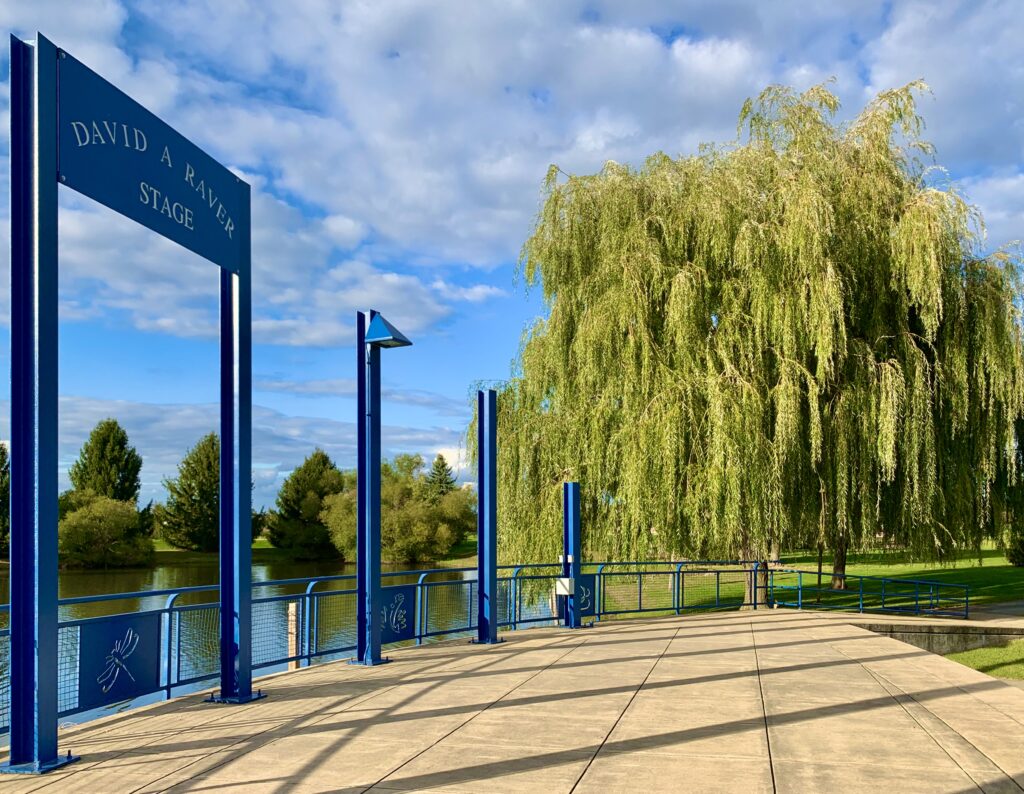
pixel 599 592
pixel 677 596
pixel 883 593
pixel 307 622
pixel 420 616
pixel 718 588
pixel 799 591
pixel 169 656
pixel 861 593
pixel 487 516
pixel 517 605
pixel 917 598
pixel 967 601
pixel 753 589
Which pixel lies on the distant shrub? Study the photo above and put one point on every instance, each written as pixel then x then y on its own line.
pixel 103 533
pixel 1015 548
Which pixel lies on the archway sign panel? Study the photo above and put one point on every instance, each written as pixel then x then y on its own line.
pixel 70 126
pixel 115 151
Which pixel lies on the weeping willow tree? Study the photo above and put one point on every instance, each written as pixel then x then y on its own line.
pixel 790 339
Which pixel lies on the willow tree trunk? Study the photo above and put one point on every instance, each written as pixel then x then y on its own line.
pixel 821 555
pixel 839 565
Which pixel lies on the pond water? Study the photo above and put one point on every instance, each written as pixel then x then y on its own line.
pixel 78 583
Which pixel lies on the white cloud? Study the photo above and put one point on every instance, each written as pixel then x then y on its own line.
pixel 384 133
pixel 163 433
pixel 346 387
pixel 475 293
pixel 1001 201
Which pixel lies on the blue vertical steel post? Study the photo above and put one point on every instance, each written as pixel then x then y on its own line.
pixel 33 501
pixel 236 481
pixel 487 516
pixel 361 323
pixel 571 546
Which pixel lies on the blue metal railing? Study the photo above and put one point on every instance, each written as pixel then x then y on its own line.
pixel 789 587
pixel 297 622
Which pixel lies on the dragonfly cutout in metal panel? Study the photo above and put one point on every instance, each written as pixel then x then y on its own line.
pixel 117 661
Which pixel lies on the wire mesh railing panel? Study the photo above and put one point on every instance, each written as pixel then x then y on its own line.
pixel 67 668
pixel 198 635
pixel 506 606
pixel 274 630
pixel 535 599
pixel 334 622
pixel 5 681
pixel 620 592
pixel 448 607
pixel 657 591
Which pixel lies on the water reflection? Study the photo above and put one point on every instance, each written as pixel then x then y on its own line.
pixel 77 584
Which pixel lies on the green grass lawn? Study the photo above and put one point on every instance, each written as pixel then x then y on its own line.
pixel 462 555
pixel 992 579
pixel 262 552
pixel 1005 662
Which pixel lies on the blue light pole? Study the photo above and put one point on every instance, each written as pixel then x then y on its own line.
pixel 487 516
pixel 372 333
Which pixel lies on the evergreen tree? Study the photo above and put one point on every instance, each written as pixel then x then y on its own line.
pixel 190 519
pixel 440 479
pixel 5 502
pixel 792 336
pixel 296 523
pixel 107 464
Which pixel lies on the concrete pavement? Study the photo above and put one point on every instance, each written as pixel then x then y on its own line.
pixel 744 701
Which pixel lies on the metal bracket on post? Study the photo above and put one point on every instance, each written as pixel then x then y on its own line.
pixel 33 611
pixel 487 516
pixel 571 548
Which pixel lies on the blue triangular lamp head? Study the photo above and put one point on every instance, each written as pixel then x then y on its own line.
pixel 384 334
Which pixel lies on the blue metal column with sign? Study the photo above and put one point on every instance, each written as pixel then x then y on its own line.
pixel 373 332
pixel 571 548
pixel 34 646
pixel 487 516
pixel 71 126
pixel 235 489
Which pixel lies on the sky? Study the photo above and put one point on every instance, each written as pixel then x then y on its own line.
pixel 396 151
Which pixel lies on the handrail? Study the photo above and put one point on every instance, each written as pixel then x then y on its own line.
pixel 879 578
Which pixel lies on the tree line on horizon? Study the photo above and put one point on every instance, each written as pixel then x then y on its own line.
pixel 102 525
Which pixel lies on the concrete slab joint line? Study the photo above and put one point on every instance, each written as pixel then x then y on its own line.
pixel 764 708
pixel 726 702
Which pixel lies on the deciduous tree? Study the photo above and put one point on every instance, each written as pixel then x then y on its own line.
pixel 797 335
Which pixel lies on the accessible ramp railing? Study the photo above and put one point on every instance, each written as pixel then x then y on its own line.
pixel 788 587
